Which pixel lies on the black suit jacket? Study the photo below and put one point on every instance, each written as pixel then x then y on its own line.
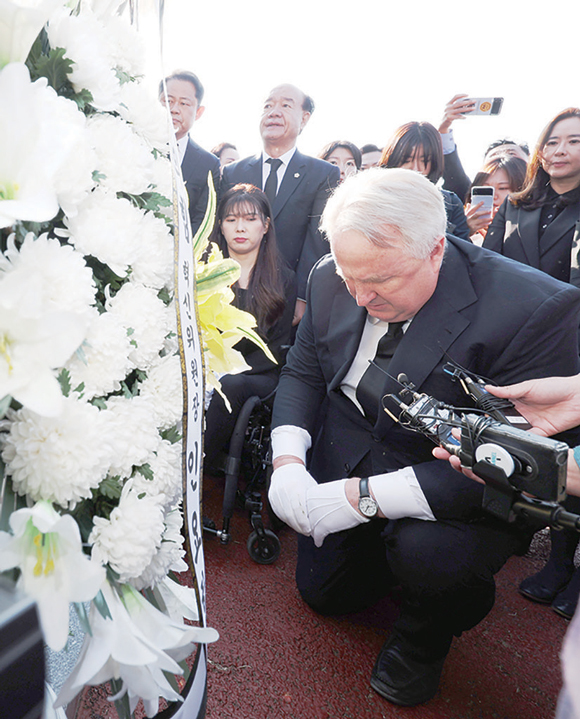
pixel 493 316
pixel 196 165
pixel 514 233
pixel 297 208
pixel 456 220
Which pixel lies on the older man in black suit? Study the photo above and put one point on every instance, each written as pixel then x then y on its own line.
pixel 184 97
pixel 296 184
pixel 374 509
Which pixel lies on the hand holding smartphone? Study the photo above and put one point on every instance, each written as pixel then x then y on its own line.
pixel 483 193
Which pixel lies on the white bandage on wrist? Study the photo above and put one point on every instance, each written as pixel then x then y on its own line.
pixel 399 494
pixel 330 511
pixel 290 440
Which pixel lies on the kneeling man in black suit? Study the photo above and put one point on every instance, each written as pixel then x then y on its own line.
pixel 372 506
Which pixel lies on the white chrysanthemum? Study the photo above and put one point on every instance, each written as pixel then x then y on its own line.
pixel 164 386
pixel 153 265
pixel 59 459
pixel 55 276
pixel 130 538
pixel 135 436
pixel 38 129
pixel 126 47
pixel 147 319
pixel 107 228
pixel 169 555
pixel 124 159
pixel 145 113
pixel 102 362
pixel 85 41
pixel 75 180
pixel 74 159
pixel 165 463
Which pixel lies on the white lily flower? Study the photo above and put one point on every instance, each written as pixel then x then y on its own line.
pixel 45 291
pixel 136 643
pixel 30 348
pixel 47 549
pixel 20 23
pixel 180 600
pixel 38 129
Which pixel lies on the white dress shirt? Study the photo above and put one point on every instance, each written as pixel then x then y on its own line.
pixel 182 147
pixel 373 330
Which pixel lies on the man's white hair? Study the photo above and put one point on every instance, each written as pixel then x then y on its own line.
pixel 380 200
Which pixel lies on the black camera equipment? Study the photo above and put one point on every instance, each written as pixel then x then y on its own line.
pixel 21 656
pixel 512 462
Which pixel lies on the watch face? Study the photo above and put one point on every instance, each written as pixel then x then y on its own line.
pixel 367 506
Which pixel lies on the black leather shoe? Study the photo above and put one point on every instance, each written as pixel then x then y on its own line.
pixel 543 587
pixel 564 607
pixel 567 600
pixel 401 679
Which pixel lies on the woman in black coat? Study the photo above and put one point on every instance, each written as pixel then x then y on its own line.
pixel 536 226
pixel 540 226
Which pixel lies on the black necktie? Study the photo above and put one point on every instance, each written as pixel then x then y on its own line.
pixel 271 186
pixel 369 389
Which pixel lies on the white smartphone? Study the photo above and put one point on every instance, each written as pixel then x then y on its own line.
pixel 483 193
pixel 486 105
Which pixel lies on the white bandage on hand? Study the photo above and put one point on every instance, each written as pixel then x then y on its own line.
pixel 330 511
pixel 287 494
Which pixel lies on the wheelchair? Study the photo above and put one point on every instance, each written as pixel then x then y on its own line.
pixel 250 458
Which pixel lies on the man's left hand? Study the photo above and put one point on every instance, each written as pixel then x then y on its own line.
pixel 330 511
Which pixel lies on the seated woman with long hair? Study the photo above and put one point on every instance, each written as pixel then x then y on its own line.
pixel 417 146
pixel 506 174
pixel 266 288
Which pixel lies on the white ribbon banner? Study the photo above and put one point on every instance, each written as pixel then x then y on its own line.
pixel 194 692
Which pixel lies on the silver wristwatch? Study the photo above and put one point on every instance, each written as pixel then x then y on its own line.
pixel 366 504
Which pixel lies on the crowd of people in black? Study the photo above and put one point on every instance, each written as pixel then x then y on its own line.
pixel 405 257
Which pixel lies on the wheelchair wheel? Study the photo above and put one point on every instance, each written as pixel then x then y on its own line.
pixel 265 549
